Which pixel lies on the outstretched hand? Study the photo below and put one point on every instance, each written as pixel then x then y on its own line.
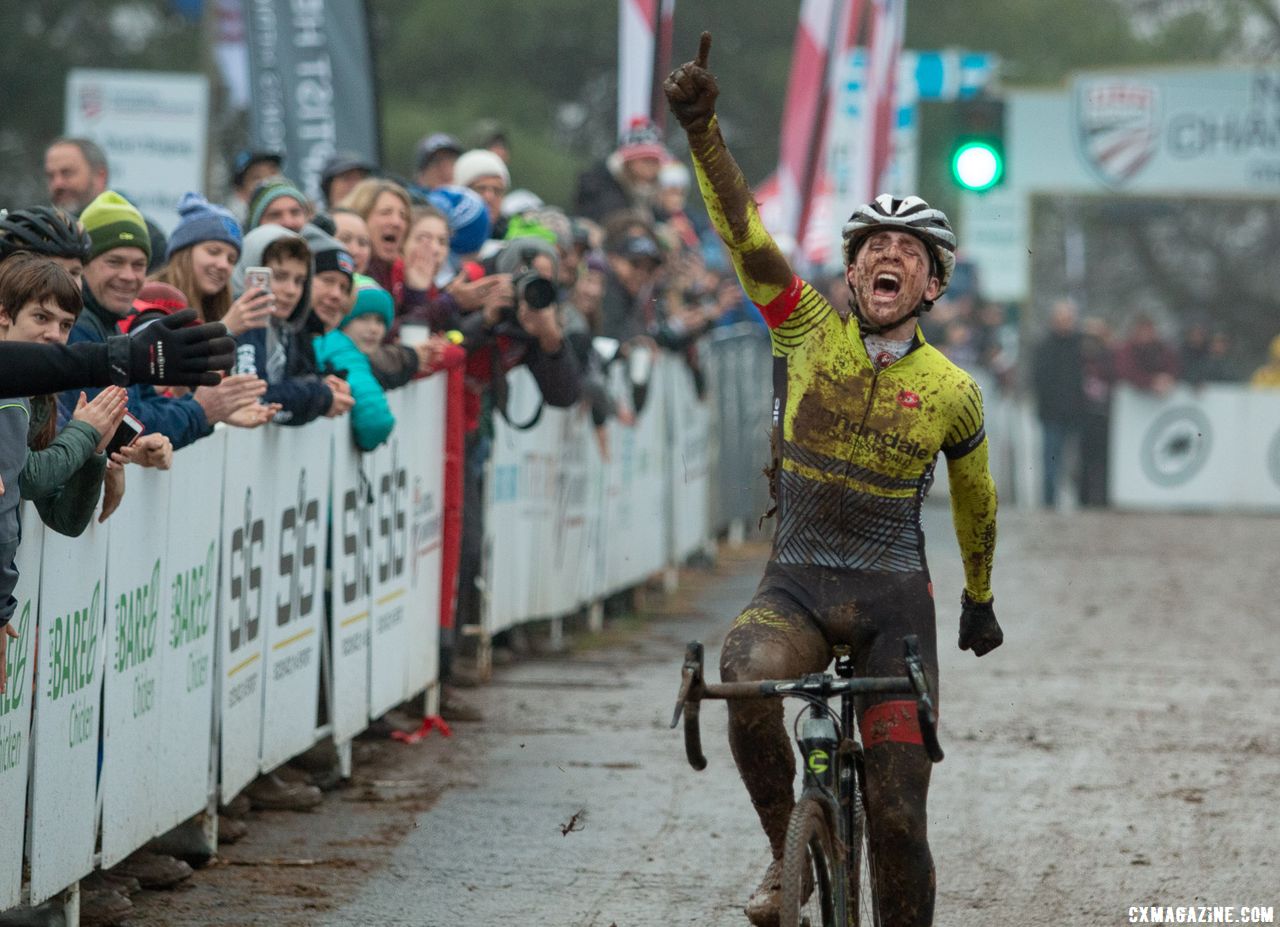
pixel 692 90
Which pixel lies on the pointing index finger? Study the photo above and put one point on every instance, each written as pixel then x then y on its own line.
pixel 704 50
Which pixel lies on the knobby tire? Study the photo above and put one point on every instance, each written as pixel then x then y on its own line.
pixel 863 906
pixel 810 869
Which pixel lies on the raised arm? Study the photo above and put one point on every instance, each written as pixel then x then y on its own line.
pixel 691 90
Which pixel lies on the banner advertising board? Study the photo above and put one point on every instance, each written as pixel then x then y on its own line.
pixel 137 600
pixel 152 127
pixel 351 534
pixel 421 408
pixel 300 513
pixel 389 616
pixel 70 658
pixel 15 706
pixel 188 633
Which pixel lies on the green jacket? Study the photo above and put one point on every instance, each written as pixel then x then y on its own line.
pixel 65 479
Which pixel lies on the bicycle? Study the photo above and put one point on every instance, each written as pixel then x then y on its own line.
pixel 828 870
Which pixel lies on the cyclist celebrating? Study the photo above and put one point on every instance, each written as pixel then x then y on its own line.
pixel 862 407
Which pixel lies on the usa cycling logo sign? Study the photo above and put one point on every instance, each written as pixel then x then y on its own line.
pixel 1176 446
pixel 1117 127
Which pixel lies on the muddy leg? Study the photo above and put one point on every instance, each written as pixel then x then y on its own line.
pixel 897 788
pixel 768 641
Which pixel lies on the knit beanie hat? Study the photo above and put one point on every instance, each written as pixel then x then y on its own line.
pixel 477 163
pixel 200 221
pixel 642 140
pixel 467 215
pixel 267 192
pixel 327 253
pixel 370 298
pixel 113 222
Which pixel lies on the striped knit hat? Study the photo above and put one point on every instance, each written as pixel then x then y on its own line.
pixel 267 192
pixel 113 222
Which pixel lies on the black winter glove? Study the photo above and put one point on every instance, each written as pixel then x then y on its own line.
pixel 168 352
pixel 979 630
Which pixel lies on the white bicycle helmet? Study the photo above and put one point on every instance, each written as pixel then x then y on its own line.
pixel 909 214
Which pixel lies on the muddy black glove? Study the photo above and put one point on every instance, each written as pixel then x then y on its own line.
pixel 979 630
pixel 692 90
pixel 166 352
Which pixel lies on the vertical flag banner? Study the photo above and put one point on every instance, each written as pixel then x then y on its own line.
pixel 636 49
pixel 662 60
pixel 888 24
pixel 312 83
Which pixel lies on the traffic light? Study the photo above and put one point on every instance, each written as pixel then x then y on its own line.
pixel 977 147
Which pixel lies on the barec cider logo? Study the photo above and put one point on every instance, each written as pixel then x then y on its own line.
pixel 191 614
pixel 137 625
pixel 73 650
pixel 10 700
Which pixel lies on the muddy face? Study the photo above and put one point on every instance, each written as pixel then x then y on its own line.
pixel 889 277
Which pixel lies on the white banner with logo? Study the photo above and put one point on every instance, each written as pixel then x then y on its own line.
pixel 637 494
pixel 689 422
pixel 1214 448
pixel 390 638
pixel 351 544
pixel 70 657
pixel 419 410
pixel 188 631
pixel 300 514
pixel 132 719
pixel 248 583
pixel 152 127
pixel 15 706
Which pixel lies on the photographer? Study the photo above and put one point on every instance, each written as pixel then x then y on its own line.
pixel 526 330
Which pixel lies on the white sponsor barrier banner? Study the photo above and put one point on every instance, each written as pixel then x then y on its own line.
pixel 71 656
pixel 1215 448
pixel 136 597
pixel 419 412
pixel 15 707
pixel 637 504
pixel 188 630
pixel 689 424
pixel 294 609
pixel 389 632
pixel 248 537
pixel 351 546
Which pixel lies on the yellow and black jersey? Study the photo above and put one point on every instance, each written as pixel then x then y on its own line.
pixel 858 441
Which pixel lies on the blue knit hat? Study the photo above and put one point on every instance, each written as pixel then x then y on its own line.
pixel 370 299
pixel 467 215
pixel 203 221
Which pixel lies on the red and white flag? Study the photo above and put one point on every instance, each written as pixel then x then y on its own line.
pixel 644 58
pixel 888 25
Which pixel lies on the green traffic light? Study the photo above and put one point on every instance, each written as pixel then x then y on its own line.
pixel 977 166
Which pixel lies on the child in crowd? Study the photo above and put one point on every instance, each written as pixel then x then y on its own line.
pixel 348 337
pixel 64 472
pixel 203 251
pixel 281 353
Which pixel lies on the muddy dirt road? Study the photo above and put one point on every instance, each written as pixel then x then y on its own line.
pixel 1121 749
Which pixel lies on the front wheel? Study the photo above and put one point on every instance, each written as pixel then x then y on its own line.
pixel 864 909
pixel 809 869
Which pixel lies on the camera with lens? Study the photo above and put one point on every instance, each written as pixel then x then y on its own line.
pixel 516 258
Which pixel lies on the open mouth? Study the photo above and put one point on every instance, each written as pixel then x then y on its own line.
pixel 886 286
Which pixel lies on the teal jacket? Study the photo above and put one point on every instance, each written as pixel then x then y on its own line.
pixel 371 418
pixel 65 479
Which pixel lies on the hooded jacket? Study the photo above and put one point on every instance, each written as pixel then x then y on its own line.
pixel 298 387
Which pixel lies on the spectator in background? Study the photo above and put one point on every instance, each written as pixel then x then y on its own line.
pixel 203 251
pixel 1057 378
pixel 627 179
pixel 278 201
pixel 351 230
pixel 1146 361
pixel 112 280
pixel 338 352
pixel 281 354
pixel 340 175
pixel 1098 375
pixel 384 205
pixel 674 181
pixel 1268 375
pixel 437 155
pixel 76 172
pixel 248 170
pixel 489 135
pixel 1203 356
pixel 484 172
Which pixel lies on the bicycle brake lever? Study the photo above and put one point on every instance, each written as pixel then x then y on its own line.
pixel 690 678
